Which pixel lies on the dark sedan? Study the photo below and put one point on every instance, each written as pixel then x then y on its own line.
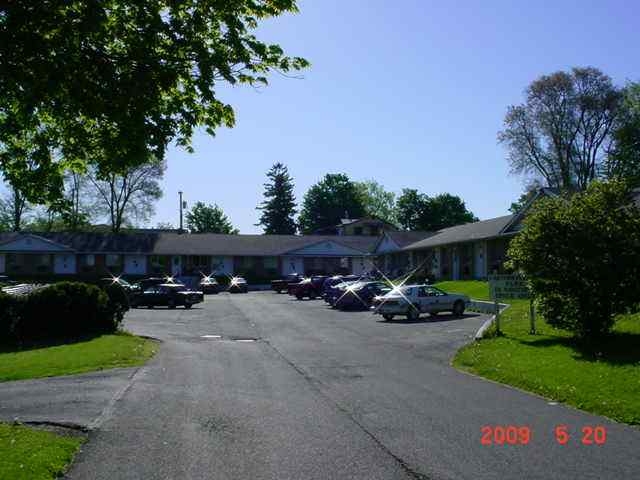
pixel 209 285
pixel 358 295
pixel 169 295
pixel 282 284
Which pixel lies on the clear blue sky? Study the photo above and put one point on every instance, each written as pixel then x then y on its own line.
pixel 410 93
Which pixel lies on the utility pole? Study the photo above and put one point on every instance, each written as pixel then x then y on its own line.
pixel 180 194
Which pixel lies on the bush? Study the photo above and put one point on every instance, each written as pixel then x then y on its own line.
pixel 10 310
pixel 581 257
pixel 61 311
pixel 118 302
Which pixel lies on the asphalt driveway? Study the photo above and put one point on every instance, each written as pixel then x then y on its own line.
pixel 262 386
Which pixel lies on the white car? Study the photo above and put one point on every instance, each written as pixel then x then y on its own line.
pixel 412 300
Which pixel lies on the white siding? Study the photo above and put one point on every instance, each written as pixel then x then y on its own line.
pixel 2 263
pixel 361 265
pixel 64 264
pixel 176 266
pixel 222 265
pixel 292 265
pixel 480 260
pixel 135 264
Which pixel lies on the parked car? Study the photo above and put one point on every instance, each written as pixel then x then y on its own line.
pixel 413 300
pixel 238 285
pixel 167 294
pixel 359 295
pixel 331 284
pixel 145 283
pixel 281 285
pixel 209 285
pixel 309 287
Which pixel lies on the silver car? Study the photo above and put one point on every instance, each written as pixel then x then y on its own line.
pixel 412 300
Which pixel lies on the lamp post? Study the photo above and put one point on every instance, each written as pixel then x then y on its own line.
pixel 180 194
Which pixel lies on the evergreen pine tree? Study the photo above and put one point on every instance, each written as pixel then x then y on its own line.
pixel 278 207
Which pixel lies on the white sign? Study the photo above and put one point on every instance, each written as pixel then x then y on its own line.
pixel 508 286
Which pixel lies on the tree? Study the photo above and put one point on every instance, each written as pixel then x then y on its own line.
pixel 209 219
pixel 563 130
pixel 624 159
pixel 409 208
pixel 13 210
pixel 378 202
pixel 128 196
pixel 443 211
pixel 328 201
pixel 417 211
pixel 278 208
pixel 580 254
pixel 117 81
pixel 529 191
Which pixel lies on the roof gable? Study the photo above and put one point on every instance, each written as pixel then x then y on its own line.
pixel 32 243
pixel 386 244
pixel 326 248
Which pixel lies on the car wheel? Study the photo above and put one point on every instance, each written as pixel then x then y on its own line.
pixel 171 304
pixel 149 306
pixel 458 308
pixel 413 313
pixel 312 296
pixel 187 305
pixel 433 314
pixel 279 291
pixel 387 316
pixel 298 296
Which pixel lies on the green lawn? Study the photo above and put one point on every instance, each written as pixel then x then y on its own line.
pixel 106 351
pixel 31 454
pixel 475 289
pixel 550 363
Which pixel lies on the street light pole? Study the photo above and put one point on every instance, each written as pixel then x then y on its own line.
pixel 180 194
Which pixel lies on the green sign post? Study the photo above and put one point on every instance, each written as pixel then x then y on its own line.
pixel 506 286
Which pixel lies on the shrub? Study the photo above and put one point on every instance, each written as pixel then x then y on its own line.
pixel 64 310
pixel 10 312
pixel 118 302
pixel 581 255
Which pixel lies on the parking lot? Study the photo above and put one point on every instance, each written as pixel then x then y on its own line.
pixel 264 386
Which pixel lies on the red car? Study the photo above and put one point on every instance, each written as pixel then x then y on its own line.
pixel 309 287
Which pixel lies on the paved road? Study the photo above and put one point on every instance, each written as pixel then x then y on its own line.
pixel 327 395
pixel 77 401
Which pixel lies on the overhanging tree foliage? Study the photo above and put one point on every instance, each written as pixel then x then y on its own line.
pixel 562 132
pixel 580 254
pixel 279 206
pixel 326 202
pixel 116 81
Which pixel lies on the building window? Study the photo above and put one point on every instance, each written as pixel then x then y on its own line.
pixel 270 263
pixel 89 260
pixel 113 260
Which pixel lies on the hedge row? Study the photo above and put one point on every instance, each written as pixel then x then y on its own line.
pixel 61 311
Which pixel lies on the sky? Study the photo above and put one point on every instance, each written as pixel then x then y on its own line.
pixel 410 93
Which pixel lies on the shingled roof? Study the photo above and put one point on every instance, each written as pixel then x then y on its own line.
pixel 251 245
pixel 464 233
